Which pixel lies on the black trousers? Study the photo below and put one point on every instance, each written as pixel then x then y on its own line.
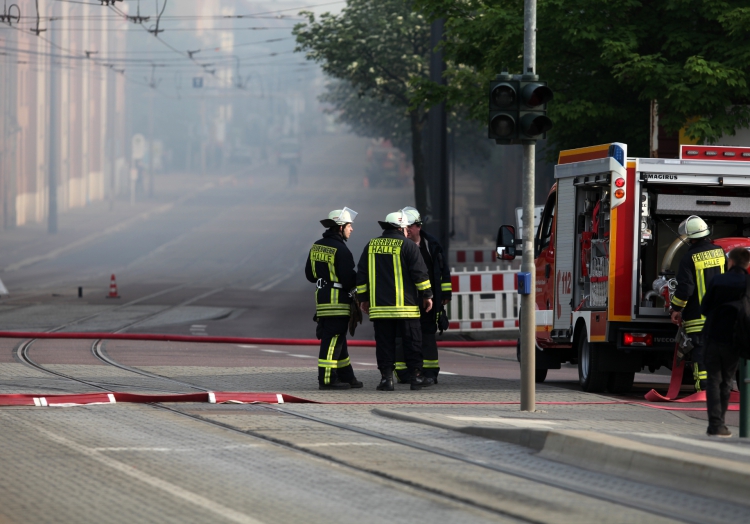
pixel 431 364
pixel 386 331
pixel 333 359
pixel 721 365
pixel 697 358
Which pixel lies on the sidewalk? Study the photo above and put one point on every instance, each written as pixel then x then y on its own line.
pixel 657 446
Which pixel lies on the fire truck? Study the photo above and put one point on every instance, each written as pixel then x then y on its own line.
pixel 607 251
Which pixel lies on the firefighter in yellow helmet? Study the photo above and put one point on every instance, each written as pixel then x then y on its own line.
pixel 392 280
pixel 330 265
pixel 703 261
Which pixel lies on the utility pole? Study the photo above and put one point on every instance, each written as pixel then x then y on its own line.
pixel 528 313
pixel 52 153
pixel 152 95
pixel 437 159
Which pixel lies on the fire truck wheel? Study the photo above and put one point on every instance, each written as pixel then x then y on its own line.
pixel 540 375
pixel 620 383
pixel 588 359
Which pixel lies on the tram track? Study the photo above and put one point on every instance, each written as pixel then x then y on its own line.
pixel 590 491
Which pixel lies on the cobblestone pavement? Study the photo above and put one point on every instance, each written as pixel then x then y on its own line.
pixel 174 468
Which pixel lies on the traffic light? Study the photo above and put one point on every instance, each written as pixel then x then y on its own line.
pixel 532 110
pixel 503 119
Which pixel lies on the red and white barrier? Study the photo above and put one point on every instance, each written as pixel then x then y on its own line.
pixel 472 256
pixel 483 301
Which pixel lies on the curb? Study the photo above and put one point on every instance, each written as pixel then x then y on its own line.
pixel 707 476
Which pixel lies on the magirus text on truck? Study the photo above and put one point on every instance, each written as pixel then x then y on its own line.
pixel 607 251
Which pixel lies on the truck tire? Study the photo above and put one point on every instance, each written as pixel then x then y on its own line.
pixel 620 383
pixel 588 358
pixel 540 375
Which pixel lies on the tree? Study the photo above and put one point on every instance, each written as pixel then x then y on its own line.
pixel 607 61
pixel 379 47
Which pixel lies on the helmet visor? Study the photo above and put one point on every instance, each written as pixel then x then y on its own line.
pixel 347 216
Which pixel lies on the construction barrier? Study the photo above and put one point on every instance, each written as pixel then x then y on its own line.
pixel 483 301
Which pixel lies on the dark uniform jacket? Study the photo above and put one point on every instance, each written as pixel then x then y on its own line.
pixel 720 315
pixel 390 276
pixel 437 267
pixel 702 262
pixel 331 265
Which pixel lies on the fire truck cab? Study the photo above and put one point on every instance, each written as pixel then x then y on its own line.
pixel 607 251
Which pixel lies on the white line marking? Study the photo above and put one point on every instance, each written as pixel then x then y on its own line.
pixel 300 356
pixel 176 491
pixel 272 351
pixel 179 450
pixel 446 372
pixel 517 422
pixel 251 347
pixel 728 447
pixel 365 363
pixel 199 326
pixel 326 444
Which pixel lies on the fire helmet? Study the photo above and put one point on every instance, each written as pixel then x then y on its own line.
pixel 693 227
pixel 339 217
pixel 397 219
pixel 413 214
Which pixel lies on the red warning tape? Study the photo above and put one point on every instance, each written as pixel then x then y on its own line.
pixel 237 340
pixel 219 397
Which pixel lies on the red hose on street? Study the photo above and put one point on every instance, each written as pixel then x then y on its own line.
pixel 154 337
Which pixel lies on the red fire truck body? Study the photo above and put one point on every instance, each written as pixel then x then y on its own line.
pixel 607 251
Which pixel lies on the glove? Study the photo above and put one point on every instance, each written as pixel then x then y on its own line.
pixel 684 345
pixel 355 316
pixel 442 320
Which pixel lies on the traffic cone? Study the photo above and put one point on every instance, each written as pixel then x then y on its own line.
pixel 113 288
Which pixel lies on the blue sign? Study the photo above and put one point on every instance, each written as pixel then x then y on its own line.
pixel 524 283
pixel 197 82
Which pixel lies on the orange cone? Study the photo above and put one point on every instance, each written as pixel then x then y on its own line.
pixel 113 288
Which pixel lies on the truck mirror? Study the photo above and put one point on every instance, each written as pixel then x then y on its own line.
pixel 506 243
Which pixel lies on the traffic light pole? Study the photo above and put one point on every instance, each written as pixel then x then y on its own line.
pixel 528 313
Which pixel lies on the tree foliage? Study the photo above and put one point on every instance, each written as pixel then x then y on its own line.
pixel 377 48
pixel 367 116
pixel 606 60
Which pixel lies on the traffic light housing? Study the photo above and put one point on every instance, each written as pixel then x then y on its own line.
pixel 503 118
pixel 532 110
pixel 518 109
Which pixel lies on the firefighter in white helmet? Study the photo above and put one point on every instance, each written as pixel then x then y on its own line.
pixel 330 265
pixel 703 261
pixel 440 280
pixel 392 279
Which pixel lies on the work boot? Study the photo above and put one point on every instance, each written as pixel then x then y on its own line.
pixel 419 381
pixel 721 431
pixel 386 382
pixel 403 377
pixel 354 383
pixel 335 386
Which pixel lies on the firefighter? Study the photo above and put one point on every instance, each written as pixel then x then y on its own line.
pixel 440 281
pixel 330 265
pixel 703 261
pixel 392 279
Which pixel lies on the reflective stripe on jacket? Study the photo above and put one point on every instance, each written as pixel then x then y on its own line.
pixel 331 261
pixel 703 261
pixel 391 274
